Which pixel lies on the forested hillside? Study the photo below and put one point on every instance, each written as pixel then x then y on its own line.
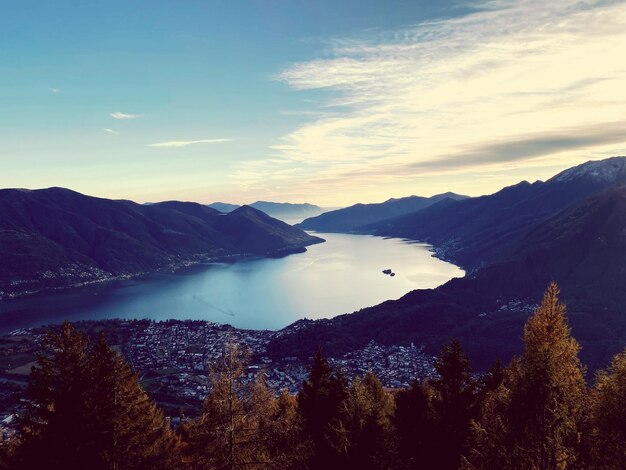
pixel 57 237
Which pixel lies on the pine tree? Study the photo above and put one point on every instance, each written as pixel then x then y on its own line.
pixel 54 430
pixel 86 410
pixel 319 405
pixel 215 438
pixel 415 423
pixel 242 424
pixel 283 435
pixel 453 404
pixel 532 420
pixel 490 440
pixel 549 394
pixel 131 433
pixel 608 434
pixel 365 431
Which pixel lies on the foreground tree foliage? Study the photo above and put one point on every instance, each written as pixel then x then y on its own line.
pixel 607 435
pixel 242 424
pixel 415 426
pixel 86 410
pixel 453 405
pixel 319 405
pixel 365 434
pixel 534 418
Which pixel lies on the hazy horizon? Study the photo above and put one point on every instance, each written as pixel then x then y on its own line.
pixel 317 102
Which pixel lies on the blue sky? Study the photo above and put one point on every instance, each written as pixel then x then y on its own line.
pixel 331 102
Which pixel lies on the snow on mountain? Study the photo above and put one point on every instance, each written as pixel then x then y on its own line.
pixel 608 170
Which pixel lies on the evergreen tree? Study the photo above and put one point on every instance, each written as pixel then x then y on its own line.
pixel 55 432
pixel 608 432
pixel 490 440
pixel 491 380
pixel 131 432
pixel 415 424
pixel 549 395
pixel 283 435
pixel 453 405
pixel 319 405
pixel 532 420
pixel 242 424
pixel 215 438
pixel 365 432
pixel 86 410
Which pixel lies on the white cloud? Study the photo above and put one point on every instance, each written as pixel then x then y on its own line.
pixel 185 143
pixel 517 74
pixel 110 131
pixel 54 91
pixel 118 115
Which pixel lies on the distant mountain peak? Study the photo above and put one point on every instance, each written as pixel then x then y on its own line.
pixel 224 207
pixel 284 211
pixel 450 195
pixel 247 209
pixel 608 170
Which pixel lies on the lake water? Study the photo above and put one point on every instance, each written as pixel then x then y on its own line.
pixel 339 276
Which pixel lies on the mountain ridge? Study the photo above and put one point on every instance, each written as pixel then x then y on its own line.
pixel 279 210
pixel 56 237
pixel 575 236
pixel 353 217
pixel 474 232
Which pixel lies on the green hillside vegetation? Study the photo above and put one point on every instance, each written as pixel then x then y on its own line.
pixel 85 409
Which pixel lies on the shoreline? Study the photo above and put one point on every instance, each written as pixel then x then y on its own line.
pixel 160 269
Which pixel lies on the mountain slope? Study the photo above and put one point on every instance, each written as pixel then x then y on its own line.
pixel 285 210
pixel 280 210
pixel 477 231
pixel 223 207
pixel 57 237
pixel 351 218
pixel 582 247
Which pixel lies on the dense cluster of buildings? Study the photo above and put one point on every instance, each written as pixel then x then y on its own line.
pixel 174 357
pixel 172 360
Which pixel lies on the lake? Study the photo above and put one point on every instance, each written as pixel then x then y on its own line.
pixel 339 276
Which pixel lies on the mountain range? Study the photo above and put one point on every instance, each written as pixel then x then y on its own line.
pixel 57 237
pixel 570 228
pixel 281 210
pixel 350 219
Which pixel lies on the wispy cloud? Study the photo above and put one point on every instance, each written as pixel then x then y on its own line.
pixel 118 115
pixel 185 143
pixel 523 83
pixel 302 112
pixel 110 131
pixel 54 91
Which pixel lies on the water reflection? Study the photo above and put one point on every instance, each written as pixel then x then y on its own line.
pixel 339 276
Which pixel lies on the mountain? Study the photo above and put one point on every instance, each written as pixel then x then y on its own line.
pixel 285 211
pixel 57 237
pixel 477 231
pixel 352 218
pixel 570 229
pixel 223 207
